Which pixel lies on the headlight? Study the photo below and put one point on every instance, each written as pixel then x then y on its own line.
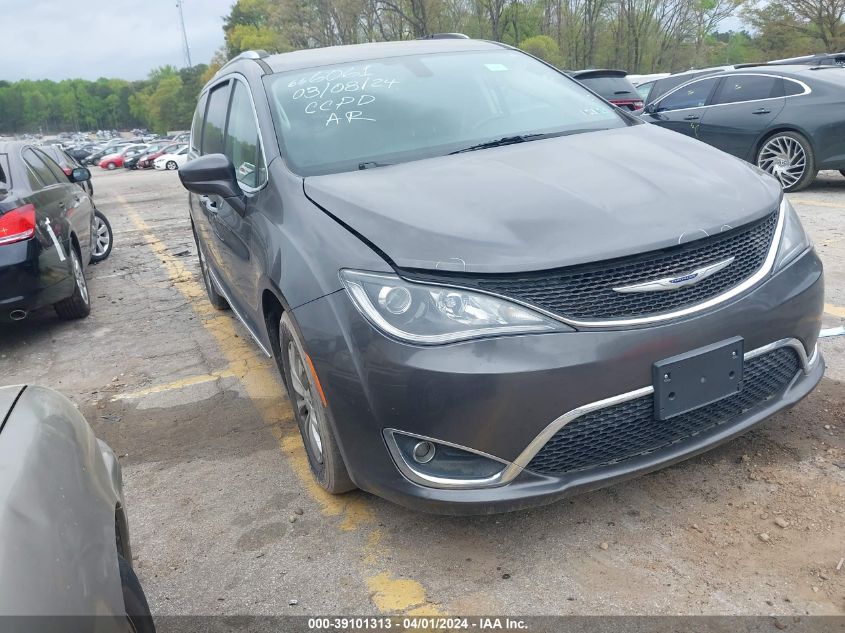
pixel 423 314
pixel 793 240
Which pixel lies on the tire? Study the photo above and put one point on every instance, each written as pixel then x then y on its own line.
pixel 312 417
pixel 102 238
pixel 111 166
pixel 789 157
pixel 214 297
pixel 138 614
pixel 171 165
pixel 78 305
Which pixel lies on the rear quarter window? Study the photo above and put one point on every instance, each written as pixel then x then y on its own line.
pixel 196 126
pixel 215 120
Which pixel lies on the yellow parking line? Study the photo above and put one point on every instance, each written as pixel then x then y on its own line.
pixel 829 308
pixel 388 593
pixel 190 381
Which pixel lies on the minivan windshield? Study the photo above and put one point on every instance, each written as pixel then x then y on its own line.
pixel 385 111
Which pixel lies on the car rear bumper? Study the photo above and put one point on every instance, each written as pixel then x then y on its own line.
pixel 31 278
pixel 497 396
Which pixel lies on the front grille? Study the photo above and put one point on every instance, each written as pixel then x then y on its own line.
pixel 617 433
pixel 585 292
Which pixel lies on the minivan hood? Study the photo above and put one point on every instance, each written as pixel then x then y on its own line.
pixel 547 203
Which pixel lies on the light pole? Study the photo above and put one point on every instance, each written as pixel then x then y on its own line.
pixel 185 47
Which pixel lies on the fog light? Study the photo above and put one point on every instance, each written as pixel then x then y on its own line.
pixel 423 452
pixel 431 462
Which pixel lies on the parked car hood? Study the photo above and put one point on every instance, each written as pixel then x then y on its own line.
pixel 547 203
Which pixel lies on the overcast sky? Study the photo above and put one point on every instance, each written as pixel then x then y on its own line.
pixel 62 39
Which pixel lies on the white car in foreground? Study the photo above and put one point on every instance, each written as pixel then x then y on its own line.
pixel 172 161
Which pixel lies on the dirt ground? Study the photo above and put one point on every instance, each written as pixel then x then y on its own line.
pixel 225 517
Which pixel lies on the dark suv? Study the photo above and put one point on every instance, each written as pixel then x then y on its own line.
pixel 486 287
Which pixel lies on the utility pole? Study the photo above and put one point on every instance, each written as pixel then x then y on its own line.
pixel 185 47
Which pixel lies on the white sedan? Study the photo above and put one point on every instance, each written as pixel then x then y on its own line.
pixel 172 161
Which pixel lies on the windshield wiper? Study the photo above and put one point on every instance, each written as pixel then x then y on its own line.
pixel 371 163
pixel 500 142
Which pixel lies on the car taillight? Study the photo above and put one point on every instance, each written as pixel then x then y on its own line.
pixel 68 171
pixel 638 105
pixel 17 225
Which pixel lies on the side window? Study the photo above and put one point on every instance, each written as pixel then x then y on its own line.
pixel 58 172
pixel 792 88
pixel 242 145
pixel 215 120
pixel 196 126
pixel 45 176
pixel 739 88
pixel 692 95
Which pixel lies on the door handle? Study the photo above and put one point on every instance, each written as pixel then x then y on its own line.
pixel 761 111
pixel 691 117
pixel 209 204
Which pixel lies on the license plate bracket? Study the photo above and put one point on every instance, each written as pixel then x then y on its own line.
pixel 698 377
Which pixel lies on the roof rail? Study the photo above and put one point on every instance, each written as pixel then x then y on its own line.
pixel 444 36
pixel 254 55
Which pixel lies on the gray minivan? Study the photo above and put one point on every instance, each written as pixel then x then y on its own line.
pixel 486 287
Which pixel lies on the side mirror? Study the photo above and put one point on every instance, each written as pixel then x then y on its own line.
pixel 213 174
pixel 80 174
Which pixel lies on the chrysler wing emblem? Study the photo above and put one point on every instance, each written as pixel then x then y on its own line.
pixel 681 281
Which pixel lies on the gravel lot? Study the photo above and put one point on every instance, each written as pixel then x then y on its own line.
pixel 225 518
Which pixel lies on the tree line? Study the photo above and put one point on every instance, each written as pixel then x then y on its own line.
pixel 640 36
pixel 164 101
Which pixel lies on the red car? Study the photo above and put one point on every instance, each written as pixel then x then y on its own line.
pixel 113 161
pixel 146 161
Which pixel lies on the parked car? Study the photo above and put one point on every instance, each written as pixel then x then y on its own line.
pixel 68 164
pixel 146 161
pixel 787 120
pixel 820 59
pixel 95 157
pixel 613 85
pixel 64 518
pixel 133 161
pixel 45 234
pixel 487 288
pixel 81 152
pixel 662 86
pixel 113 161
pixel 172 161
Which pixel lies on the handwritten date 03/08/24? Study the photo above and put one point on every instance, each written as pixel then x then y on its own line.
pixel 337 84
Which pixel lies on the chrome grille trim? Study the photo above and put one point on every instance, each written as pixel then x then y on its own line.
pixel 749 283
pixel 537 444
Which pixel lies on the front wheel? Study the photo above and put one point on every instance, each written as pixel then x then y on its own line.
pixel 111 166
pixel 138 615
pixel 788 156
pixel 311 413
pixel 171 165
pixel 214 297
pixel 102 237
pixel 78 305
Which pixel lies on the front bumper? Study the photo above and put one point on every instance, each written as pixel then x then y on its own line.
pixel 497 395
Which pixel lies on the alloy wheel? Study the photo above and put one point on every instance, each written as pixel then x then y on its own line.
pixel 785 159
pixel 304 401
pixel 102 237
pixel 79 276
pixel 171 165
